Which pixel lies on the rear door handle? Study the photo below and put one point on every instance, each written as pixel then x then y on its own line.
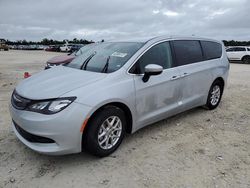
pixel 184 74
pixel 175 77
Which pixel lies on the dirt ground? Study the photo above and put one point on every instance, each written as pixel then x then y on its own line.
pixel 198 148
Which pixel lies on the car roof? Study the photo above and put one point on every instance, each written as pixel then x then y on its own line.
pixel 159 38
pixel 238 46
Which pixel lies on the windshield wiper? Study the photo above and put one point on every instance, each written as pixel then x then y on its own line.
pixel 106 66
pixel 85 63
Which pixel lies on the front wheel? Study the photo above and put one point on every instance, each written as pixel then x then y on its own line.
pixel 105 131
pixel 214 95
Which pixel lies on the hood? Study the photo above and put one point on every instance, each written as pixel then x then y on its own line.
pixel 61 59
pixel 55 82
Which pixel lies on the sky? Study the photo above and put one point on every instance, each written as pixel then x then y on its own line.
pixel 123 19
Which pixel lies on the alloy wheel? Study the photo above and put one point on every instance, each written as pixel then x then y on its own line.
pixel 109 132
pixel 215 95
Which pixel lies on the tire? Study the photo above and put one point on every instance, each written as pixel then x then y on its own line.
pixel 246 60
pixel 98 126
pixel 214 95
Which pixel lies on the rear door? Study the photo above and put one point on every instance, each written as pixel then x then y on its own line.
pixel 239 53
pixel 159 97
pixel 195 73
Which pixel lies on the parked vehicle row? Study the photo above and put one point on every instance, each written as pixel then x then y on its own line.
pixel 52 48
pixel 70 47
pixel 27 47
pixel 114 88
pixel 239 53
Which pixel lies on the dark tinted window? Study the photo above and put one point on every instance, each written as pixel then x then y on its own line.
pixel 159 54
pixel 211 50
pixel 187 51
pixel 239 49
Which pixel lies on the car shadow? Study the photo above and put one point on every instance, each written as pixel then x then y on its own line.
pixel 237 62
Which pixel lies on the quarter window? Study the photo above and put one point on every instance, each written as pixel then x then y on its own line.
pixel 211 50
pixel 159 54
pixel 187 51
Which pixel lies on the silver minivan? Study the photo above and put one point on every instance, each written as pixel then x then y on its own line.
pixel 115 88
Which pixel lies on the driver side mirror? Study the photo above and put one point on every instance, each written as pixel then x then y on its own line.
pixel 151 70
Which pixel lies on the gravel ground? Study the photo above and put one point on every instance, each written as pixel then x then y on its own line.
pixel 198 148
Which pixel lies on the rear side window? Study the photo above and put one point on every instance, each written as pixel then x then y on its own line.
pixel 187 51
pixel 159 54
pixel 211 50
pixel 239 49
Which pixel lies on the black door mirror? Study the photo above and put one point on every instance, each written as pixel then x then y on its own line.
pixel 151 70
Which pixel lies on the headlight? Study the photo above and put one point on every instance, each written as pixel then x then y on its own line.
pixel 51 106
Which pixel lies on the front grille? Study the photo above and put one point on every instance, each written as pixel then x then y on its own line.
pixel 31 137
pixel 19 102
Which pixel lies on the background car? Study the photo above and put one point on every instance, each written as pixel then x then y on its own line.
pixel 59 60
pixel 53 48
pixel 75 47
pixel 239 53
pixel 65 59
pixel 65 48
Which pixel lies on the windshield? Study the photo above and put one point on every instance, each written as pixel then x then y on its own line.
pixel 84 49
pixel 105 57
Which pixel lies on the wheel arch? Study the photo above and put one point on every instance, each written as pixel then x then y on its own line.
pixel 245 56
pixel 124 107
pixel 220 79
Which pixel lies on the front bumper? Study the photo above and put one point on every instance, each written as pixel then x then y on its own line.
pixel 63 128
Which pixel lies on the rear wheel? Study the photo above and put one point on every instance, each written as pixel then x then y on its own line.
pixel 214 95
pixel 246 60
pixel 105 131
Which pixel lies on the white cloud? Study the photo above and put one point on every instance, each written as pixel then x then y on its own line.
pixel 170 13
pixel 115 19
pixel 156 11
pixel 216 13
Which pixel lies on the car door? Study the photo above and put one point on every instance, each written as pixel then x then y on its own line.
pixel 231 53
pixel 158 97
pixel 195 73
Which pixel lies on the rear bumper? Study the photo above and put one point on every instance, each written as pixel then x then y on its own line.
pixel 56 134
pixel 48 66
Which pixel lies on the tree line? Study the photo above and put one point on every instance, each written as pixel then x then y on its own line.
pixel 236 43
pixel 46 41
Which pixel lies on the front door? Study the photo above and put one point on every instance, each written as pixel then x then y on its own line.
pixel 158 97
